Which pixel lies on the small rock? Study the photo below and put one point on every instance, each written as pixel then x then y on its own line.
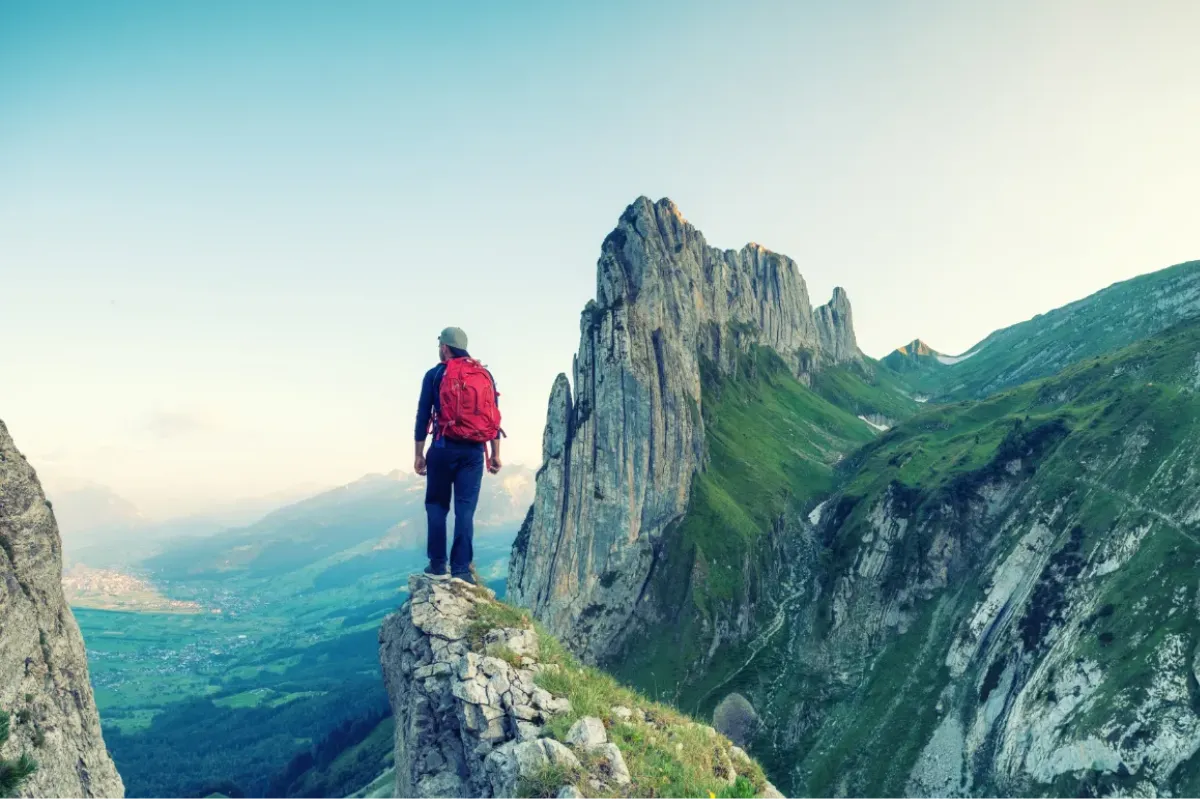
pixel 470 691
pixel 467 666
pixel 542 698
pixel 622 713
pixel 508 763
pixel 614 763
pixel 527 731
pixel 432 670
pixel 639 715
pixel 492 666
pixel 569 792
pixel 560 705
pixel 526 713
pixel 531 756
pixel 499 683
pixel 587 733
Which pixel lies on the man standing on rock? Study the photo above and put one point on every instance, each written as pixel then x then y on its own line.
pixel 459 406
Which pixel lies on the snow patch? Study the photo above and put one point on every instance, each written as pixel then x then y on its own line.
pixel 950 360
pixel 879 427
pixel 815 516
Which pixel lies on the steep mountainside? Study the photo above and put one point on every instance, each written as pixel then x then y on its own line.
pixel 999 593
pixel 621 454
pixel 1101 323
pixel 44 684
pixel 1003 594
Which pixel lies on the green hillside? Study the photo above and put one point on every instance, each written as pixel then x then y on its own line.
pixel 1115 317
pixel 1095 468
pixel 773 445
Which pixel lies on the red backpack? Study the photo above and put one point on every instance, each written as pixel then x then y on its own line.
pixel 468 402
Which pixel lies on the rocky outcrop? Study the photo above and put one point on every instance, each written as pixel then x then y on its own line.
pixel 44 684
pixel 460 717
pixel 619 453
pixel 463 674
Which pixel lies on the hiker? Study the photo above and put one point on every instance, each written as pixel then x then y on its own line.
pixel 459 405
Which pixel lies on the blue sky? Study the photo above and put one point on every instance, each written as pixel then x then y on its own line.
pixel 229 232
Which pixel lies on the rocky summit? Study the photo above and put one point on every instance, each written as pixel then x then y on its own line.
pixel 486 706
pixel 620 453
pixel 44 687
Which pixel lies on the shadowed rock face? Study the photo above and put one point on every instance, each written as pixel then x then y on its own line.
pixel 44 683
pixel 619 455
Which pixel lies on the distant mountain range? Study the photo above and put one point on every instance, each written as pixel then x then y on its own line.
pixel 358 526
pixel 102 529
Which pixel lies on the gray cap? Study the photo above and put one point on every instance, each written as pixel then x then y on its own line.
pixel 453 337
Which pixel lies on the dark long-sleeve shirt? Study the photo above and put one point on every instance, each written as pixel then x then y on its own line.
pixel 430 402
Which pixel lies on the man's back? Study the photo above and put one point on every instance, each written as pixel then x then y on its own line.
pixel 459 405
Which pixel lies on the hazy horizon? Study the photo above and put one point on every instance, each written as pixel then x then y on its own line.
pixel 229 233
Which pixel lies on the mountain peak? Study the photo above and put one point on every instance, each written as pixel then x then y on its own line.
pixel 916 348
pixel 620 455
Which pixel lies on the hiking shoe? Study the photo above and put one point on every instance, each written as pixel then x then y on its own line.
pixel 436 571
pixel 466 577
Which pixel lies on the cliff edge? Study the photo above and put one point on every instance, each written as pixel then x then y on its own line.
pixel 44 684
pixel 486 705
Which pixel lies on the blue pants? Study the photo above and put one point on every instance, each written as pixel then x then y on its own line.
pixel 451 465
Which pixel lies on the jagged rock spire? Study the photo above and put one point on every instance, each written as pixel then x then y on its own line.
pixel 620 455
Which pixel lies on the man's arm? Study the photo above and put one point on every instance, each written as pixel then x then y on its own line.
pixel 424 412
pixel 493 462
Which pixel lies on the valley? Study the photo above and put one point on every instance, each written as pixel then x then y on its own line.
pixel 277 648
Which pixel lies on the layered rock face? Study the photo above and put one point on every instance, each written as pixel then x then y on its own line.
pixel 44 684
pixel 619 455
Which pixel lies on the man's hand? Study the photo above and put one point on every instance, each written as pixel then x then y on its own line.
pixel 494 464
pixel 419 463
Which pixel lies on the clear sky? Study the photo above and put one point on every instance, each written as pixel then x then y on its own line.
pixel 229 231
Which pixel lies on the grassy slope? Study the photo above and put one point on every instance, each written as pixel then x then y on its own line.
pixel 666 752
pixel 773 445
pixel 1085 414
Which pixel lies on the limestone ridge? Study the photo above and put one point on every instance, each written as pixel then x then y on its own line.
pixel 44 684
pixel 619 456
pixel 472 724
